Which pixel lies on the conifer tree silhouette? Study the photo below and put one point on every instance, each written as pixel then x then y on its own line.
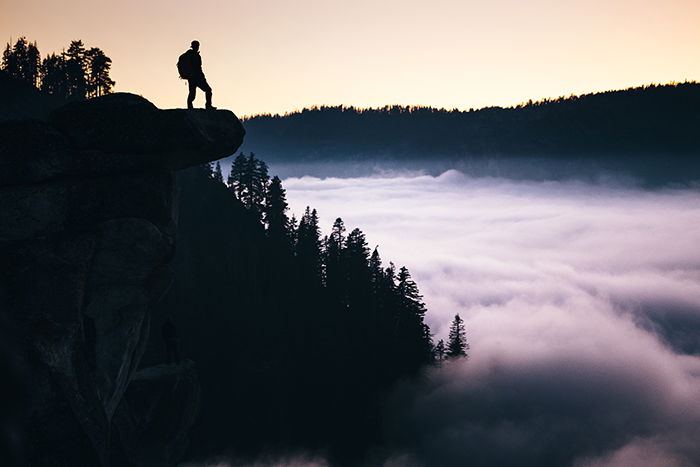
pixel 76 65
pixel 248 181
pixel 53 75
pixel 275 213
pixel 216 173
pixel 308 247
pixel 335 271
pixel 98 81
pixel 457 345
pixel 75 73
pixel 439 351
pixel 22 61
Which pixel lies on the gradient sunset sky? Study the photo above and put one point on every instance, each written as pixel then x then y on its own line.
pixel 276 56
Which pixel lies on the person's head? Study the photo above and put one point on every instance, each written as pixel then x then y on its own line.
pixel 195 45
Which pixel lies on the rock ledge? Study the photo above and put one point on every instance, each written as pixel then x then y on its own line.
pixel 87 236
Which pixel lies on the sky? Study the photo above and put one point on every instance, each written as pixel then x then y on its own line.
pixel 582 309
pixel 276 55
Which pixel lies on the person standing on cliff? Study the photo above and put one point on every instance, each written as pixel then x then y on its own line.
pixel 190 68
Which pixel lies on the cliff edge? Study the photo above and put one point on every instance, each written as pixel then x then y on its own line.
pixel 87 236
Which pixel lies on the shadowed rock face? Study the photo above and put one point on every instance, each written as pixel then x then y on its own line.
pixel 150 431
pixel 87 224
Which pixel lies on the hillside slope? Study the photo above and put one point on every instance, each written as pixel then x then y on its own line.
pixel 650 120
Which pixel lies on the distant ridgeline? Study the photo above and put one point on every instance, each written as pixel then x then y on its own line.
pixel 297 337
pixel 648 120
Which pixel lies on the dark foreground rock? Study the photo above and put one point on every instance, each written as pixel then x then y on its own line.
pixel 87 235
pixel 150 431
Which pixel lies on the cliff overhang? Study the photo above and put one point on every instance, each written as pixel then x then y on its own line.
pixel 87 235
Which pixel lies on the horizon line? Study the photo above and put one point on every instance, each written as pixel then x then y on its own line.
pixel 543 100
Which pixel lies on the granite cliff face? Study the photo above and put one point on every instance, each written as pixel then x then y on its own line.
pixel 87 235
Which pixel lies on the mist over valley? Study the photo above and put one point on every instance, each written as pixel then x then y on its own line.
pixel 582 306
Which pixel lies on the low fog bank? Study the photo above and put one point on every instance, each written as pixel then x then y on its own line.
pixel 582 306
pixel 649 171
pixel 551 386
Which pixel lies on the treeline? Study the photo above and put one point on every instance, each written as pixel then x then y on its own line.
pixel 654 119
pixel 77 72
pixel 297 336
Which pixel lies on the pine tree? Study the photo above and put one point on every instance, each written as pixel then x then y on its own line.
pixel 408 290
pixel 457 345
pixel 414 335
pixel 376 273
pixel 275 214
pixel 390 273
pixel 384 313
pixel 32 65
pixel 98 82
pixel 259 180
pixel 336 240
pixel 9 62
pixel 308 247
pixel 236 179
pixel 14 59
pixel 216 173
pixel 335 273
pixel 53 75
pixel 357 246
pixel 249 180
pixel 427 343
pixel 19 50
pixel 21 61
pixel 439 351
pixel 293 233
pixel 356 260
pixel 76 82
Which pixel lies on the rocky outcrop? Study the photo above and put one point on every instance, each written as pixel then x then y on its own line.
pixel 150 431
pixel 20 100
pixel 87 234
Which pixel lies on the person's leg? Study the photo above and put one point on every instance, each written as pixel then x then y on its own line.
pixel 204 86
pixel 208 94
pixel 193 90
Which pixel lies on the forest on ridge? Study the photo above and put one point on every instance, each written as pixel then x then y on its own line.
pixel 629 124
pixel 298 337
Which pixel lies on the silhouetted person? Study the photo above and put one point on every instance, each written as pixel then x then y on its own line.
pixel 170 340
pixel 190 67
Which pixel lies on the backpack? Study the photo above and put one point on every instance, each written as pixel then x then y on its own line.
pixel 184 66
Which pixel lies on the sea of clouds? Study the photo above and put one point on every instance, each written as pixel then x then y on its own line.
pixel 582 307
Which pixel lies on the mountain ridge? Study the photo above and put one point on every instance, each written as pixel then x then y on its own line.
pixel 652 119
